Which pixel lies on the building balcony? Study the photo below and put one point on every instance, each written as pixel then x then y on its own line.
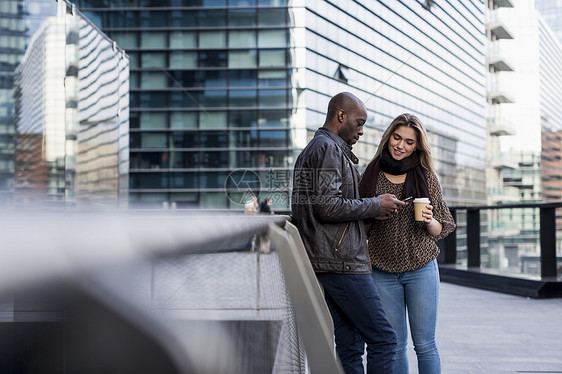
pixel 498 97
pixel 497 63
pixel 502 195
pixel 495 57
pixel 498 126
pixel 501 4
pixel 501 161
pixel 495 28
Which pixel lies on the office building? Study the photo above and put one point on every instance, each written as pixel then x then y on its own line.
pixel 12 47
pixel 71 116
pixel 551 11
pixel 237 88
pixel 524 94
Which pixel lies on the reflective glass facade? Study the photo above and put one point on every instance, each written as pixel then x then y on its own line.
pixel 218 86
pixel 71 118
pixel 12 47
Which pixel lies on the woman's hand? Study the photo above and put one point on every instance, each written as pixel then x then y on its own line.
pixel 434 227
pixel 427 214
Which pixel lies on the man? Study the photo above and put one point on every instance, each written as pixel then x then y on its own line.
pixel 329 214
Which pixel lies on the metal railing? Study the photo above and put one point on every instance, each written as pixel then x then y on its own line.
pixel 172 292
pixel 542 237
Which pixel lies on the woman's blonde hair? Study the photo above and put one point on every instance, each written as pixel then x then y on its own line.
pixel 409 120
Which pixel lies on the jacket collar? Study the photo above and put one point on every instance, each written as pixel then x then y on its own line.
pixel 339 141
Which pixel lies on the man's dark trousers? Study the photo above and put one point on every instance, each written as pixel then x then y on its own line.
pixel 355 304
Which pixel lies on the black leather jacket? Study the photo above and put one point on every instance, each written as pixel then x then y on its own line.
pixel 326 207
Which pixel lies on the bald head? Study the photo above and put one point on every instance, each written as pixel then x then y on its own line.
pixel 344 100
pixel 346 117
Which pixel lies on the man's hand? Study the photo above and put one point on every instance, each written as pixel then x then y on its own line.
pixel 389 205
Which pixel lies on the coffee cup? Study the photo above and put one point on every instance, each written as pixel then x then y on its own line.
pixel 420 203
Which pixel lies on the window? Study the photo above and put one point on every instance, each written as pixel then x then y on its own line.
pixel 182 39
pixel 213 78
pixel 183 60
pixel 275 58
pixel 242 39
pixel 242 17
pixel 243 138
pixel 212 58
pixel 183 18
pixel 153 40
pixel 183 180
pixel 212 139
pixel 153 60
pixel 153 18
pixel 272 38
pixel 149 160
pixel 126 40
pixel 243 77
pixel 183 139
pixel 153 120
pixel 212 98
pixel 154 79
pixel 154 140
pixel 243 118
pixel 212 17
pixel 273 118
pixel 272 17
pixel 273 98
pixel 273 138
pixel 212 39
pixel 153 100
pixel 272 78
pixel 212 120
pixel 183 120
pixel 242 59
pixel 243 98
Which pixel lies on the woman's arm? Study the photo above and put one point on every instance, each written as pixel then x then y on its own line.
pixel 439 221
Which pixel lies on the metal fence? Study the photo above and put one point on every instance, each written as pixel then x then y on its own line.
pixel 513 248
pixel 145 292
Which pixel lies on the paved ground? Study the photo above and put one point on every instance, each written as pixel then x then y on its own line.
pixel 493 333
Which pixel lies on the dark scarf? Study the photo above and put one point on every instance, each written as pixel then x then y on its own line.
pixel 415 184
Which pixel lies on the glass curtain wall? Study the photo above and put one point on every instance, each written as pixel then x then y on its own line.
pixel 70 112
pixel 426 58
pixel 210 98
pixel 219 86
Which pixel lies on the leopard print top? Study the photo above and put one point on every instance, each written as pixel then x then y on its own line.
pixel 401 244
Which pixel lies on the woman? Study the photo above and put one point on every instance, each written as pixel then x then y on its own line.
pixel 403 251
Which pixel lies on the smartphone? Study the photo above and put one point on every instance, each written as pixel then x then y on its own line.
pixel 408 198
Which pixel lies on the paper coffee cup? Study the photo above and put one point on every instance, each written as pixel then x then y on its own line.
pixel 419 204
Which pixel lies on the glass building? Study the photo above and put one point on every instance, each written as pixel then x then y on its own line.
pixel 225 94
pixel 68 112
pixel 12 47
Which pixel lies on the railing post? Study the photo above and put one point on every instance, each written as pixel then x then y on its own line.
pixel 473 237
pixel 450 244
pixel 548 241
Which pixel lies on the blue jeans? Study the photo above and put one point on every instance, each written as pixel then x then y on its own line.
pixel 358 315
pixel 418 291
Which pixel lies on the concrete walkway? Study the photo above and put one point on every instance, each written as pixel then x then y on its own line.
pixel 493 333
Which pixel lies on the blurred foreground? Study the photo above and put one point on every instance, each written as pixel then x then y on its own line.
pixel 158 292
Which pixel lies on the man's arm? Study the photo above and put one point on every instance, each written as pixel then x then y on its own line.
pixel 330 205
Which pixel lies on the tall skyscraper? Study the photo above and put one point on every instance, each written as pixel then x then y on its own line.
pixel 69 112
pixel 219 86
